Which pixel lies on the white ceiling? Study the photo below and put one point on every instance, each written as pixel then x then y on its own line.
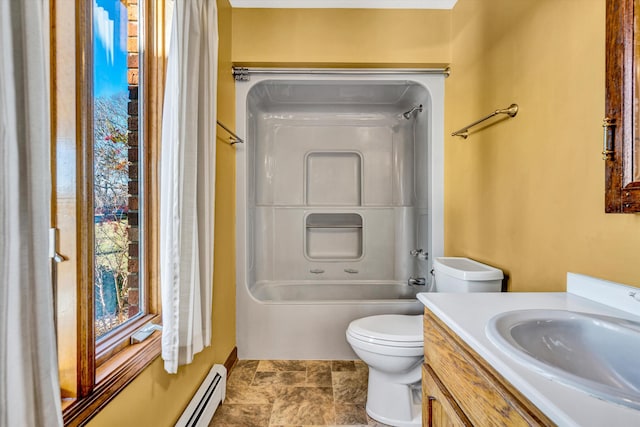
pixel 350 4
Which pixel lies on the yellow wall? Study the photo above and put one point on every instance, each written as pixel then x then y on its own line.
pixel 341 37
pixel 156 398
pixel 527 194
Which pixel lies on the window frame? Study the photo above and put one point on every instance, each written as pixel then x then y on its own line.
pixel 104 368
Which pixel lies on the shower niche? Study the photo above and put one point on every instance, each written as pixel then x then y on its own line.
pixel 333 178
pixel 333 236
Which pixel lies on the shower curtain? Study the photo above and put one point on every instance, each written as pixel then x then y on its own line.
pixel 187 182
pixel 29 387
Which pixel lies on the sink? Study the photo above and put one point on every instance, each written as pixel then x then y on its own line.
pixel 596 354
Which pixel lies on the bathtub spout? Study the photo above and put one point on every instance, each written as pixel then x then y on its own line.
pixel 417 281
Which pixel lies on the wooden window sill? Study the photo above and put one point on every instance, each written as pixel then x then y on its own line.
pixel 111 378
pixel 116 342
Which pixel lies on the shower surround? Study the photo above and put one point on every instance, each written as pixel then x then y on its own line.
pixel 340 178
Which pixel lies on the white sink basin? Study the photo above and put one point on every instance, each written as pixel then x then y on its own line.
pixel 599 355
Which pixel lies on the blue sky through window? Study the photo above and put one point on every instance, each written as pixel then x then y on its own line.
pixel 109 47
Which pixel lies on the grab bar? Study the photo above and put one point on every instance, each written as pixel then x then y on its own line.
pixel 235 137
pixel 511 111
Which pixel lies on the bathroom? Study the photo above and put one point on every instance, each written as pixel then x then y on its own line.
pixel 525 195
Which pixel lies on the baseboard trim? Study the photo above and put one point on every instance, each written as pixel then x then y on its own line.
pixel 231 360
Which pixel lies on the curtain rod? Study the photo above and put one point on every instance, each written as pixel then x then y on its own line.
pixel 242 73
pixel 235 137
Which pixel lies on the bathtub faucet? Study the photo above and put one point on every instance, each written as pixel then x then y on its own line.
pixel 417 281
pixel 419 253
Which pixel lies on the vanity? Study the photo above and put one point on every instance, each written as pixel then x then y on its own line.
pixel 453 372
pixel 469 380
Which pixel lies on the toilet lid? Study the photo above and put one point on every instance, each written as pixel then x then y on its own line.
pixel 389 327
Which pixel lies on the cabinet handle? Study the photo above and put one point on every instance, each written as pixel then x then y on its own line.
pixel 430 411
pixel 607 140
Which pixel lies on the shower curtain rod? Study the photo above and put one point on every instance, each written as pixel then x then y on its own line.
pixel 242 73
pixel 235 137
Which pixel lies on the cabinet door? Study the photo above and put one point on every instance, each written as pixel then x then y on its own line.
pixel 622 121
pixel 439 409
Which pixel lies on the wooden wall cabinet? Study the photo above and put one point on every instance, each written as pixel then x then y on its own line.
pixel 461 389
pixel 621 146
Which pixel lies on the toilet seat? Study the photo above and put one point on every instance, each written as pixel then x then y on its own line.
pixel 389 330
pixel 386 348
pixel 385 343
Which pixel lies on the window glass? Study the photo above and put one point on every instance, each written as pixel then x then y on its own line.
pixel 117 294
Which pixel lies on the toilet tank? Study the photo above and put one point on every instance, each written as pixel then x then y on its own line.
pixel 455 274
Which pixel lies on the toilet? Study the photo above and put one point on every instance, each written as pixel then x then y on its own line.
pixel 392 345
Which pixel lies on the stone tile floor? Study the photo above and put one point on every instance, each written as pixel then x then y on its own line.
pixel 266 393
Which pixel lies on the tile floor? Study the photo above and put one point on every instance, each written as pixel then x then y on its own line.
pixel 265 393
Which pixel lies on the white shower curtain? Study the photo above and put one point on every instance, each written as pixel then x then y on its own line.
pixel 187 182
pixel 29 387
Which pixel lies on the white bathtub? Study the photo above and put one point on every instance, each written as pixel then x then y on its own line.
pixel 334 188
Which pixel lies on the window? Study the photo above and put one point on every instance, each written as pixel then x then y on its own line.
pixel 107 60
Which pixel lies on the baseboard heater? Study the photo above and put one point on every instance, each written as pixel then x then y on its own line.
pixel 206 400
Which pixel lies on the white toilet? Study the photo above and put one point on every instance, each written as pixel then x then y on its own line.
pixel 392 344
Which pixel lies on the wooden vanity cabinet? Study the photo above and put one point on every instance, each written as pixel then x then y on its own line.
pixel 460 388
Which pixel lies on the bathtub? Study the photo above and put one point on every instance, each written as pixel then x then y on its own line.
pixel 335 187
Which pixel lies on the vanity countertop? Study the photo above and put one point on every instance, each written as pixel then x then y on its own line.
pixel 467 315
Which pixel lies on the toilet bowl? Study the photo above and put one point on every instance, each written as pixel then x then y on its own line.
pixel 393 345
